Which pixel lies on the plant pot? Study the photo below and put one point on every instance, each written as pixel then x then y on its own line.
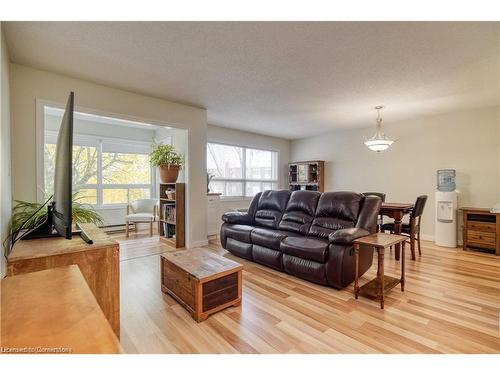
pixel 169 173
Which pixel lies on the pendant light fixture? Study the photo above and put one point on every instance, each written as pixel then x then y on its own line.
pixel 379 142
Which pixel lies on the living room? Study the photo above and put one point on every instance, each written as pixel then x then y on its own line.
pixel 251 188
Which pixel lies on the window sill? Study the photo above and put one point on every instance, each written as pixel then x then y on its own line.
pixel 235 199
pixel 110 207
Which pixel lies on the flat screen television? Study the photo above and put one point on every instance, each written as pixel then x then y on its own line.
pixel 58 221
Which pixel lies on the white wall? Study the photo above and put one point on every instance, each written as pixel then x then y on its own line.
pixel 242 138
pixel 5 161
pixel 28 84
pixel 467 141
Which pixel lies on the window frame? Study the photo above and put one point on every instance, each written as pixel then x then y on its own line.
pixel 244 180
pixel 97 142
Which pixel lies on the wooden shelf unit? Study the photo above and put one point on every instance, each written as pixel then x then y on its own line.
pixel 481 230
pixel 173 229
pixel 307 175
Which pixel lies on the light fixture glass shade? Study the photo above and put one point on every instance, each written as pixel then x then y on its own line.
pixel 379 142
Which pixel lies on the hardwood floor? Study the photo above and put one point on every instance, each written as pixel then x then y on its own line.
pixel 451 304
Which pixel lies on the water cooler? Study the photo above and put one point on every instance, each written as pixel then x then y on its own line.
pixel 446 209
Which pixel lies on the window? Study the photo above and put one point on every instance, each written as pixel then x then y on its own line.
pixel 106 170
pixel 241 171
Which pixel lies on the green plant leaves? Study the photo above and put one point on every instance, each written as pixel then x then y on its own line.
pixel 165 155
pixel 22 211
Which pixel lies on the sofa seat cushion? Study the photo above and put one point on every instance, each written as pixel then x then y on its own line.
pixel 270 238
pixel 239 232
pixel 315 249
pixel 140 217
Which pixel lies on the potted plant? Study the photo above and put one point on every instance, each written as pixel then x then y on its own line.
pixel 209 178
pixel 167 160
pixel 32 213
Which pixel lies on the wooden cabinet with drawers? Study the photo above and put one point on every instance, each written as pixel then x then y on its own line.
pixel 481 230
pixel 201 281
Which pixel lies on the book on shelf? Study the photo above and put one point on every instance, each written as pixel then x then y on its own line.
pixel 169 212
pixel 168 230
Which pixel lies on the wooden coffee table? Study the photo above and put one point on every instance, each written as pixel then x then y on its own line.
pixel 201 281
pixel 381 284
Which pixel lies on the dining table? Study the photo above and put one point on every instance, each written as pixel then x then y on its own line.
pixel 397 211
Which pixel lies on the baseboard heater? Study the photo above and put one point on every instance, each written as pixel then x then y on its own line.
pixel 113 228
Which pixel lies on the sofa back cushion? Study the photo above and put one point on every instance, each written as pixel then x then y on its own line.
pixel 252 209
pixel 336 210
pixel 270 208
pixel 299 212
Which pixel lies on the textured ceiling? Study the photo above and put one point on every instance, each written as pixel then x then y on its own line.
pixel 288 79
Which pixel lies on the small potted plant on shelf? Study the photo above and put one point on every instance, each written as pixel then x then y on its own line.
pixel 167 160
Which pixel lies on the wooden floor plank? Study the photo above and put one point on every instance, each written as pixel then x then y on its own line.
pixel 451 304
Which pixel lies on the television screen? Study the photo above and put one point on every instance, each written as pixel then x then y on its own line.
pixel 62 211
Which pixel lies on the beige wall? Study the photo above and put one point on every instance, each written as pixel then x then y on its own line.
pixel 242 138
pixel 29 84
pixel 467 141
pixel 5 161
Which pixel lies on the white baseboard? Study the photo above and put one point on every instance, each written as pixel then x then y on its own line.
pixel 428 237
pixel 198 244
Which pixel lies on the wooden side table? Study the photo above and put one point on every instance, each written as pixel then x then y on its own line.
pixel 377 287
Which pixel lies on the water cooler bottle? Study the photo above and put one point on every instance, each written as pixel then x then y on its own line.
pixel 446 209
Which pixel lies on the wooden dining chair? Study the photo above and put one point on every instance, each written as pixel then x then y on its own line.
pixel 411 229
pixel 380 220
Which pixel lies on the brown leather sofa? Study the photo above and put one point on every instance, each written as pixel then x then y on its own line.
pixel 304 233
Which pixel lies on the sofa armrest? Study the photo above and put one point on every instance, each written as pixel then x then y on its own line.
pixel 237 218
pixel 347 236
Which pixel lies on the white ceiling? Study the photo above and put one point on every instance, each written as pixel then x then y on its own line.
pixel 287 79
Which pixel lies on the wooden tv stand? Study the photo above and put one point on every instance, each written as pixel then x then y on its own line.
pixel 53 311
pixel 98 262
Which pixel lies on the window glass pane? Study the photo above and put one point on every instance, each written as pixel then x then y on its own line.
pixel 224 161
pixel 253 188
pixel 121 168
pixel 87 196
pixel 227 188
pixel 84 166
pixel 234 189
pixel 114 196
pixel 139 194
pixel 269 186
pixel 217 187
pixel 260 164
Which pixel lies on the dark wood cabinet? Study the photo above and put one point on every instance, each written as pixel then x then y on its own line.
pixel 307 175
pixel 481 230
